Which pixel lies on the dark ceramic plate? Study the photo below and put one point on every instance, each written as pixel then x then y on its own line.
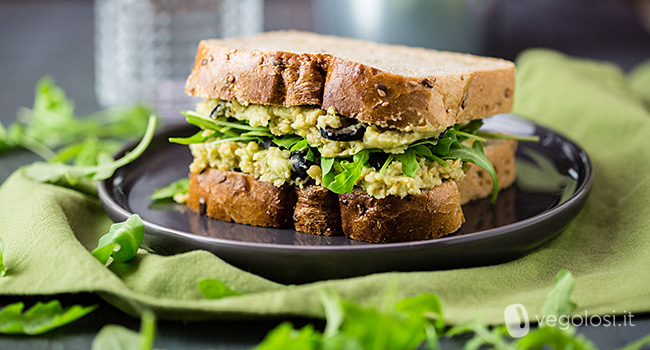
pixel 553 182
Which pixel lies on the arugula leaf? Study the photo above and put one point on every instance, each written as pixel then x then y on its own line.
pixel 51 123
pixel 343 181
pixel 285 337
pixel 409 162
pixel 214 289
pixel 558 300
pixel 220 124
pixel 114 337
pixel 178 187
pixel 40 318
pixel 57 172
pixel 471 128
pixel 86 152
pixel 424 151
pixel 556 338
pixel 3 270
pixel 482 335
pixel 490 135
pixel 405 325
pixel 638 344
pixel 476 155
pixel 386 163
pixel 196 138
pixel 287 141
pixel 122 240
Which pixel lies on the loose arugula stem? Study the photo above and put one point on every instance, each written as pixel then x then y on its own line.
pixel 52 173
pixel 490 135
pixel 468 135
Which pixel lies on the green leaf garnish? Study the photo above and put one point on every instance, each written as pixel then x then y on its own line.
pixel 178 187
pixel 409 162
pixel 558 300
pixel 287 141
pixel 404 325
pixel 196 138
pixel 343 181
pixel 40 318
pixel 386 163
pixel 490 135
pixel 114 337
pixel 475 155
pixel 554 338
pixel 122 240
pixel 286 337
pixel 3 270
pixel 57 172
pixel 211 288
pixel 51 123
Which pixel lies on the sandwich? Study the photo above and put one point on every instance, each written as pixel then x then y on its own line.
pixel 334 136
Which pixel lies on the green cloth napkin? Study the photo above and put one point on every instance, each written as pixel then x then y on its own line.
pixel 48 230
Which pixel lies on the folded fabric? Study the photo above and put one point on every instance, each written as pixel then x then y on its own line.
pixel 48 230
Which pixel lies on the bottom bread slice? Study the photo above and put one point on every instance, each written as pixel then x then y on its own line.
pixel 430 214
pixel 317 211
pixel 239 197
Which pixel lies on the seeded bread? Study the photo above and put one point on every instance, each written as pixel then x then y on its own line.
pixel 387 85
pixel 478 183
pixel 317 211
pixel 427 215
pixel 239 197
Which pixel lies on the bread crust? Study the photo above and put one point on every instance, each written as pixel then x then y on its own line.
pixel 428 215
pixel 357 90
pixel 317 211
pixel 239 197
pixel 477 183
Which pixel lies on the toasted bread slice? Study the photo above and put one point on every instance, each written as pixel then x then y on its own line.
pixel 317 211
pixel 388 85
pixel 239 197
pixel 428 215
pixel 477 183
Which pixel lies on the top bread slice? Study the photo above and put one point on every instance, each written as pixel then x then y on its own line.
pixel 392 86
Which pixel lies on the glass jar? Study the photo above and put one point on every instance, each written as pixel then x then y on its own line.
pixel 144 49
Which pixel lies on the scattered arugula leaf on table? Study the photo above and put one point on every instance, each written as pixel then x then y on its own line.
pixel 115 337
pixel 40 318
pixel 172 191
pixel 211 288
pixel 3 269
pixel 122 240
pixel 51 123
pixel 58 173
pixel 416 323
pixel 405 325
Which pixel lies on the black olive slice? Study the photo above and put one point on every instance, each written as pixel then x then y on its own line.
pixel 219 110
pixel 377 159
pixel 348 133
pixel 300 164
pixel 268 143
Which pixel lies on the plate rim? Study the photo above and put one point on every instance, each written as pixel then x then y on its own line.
pixel 580 194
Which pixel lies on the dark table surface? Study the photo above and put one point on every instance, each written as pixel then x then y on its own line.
pixel 55 38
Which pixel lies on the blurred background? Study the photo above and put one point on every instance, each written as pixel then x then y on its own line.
pixel 99 51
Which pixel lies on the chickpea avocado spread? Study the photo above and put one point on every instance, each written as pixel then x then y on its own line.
pixel 307 145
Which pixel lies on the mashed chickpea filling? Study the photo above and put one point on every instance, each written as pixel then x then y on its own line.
pixel 306 145
pixel 307 121
pixel 274 165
